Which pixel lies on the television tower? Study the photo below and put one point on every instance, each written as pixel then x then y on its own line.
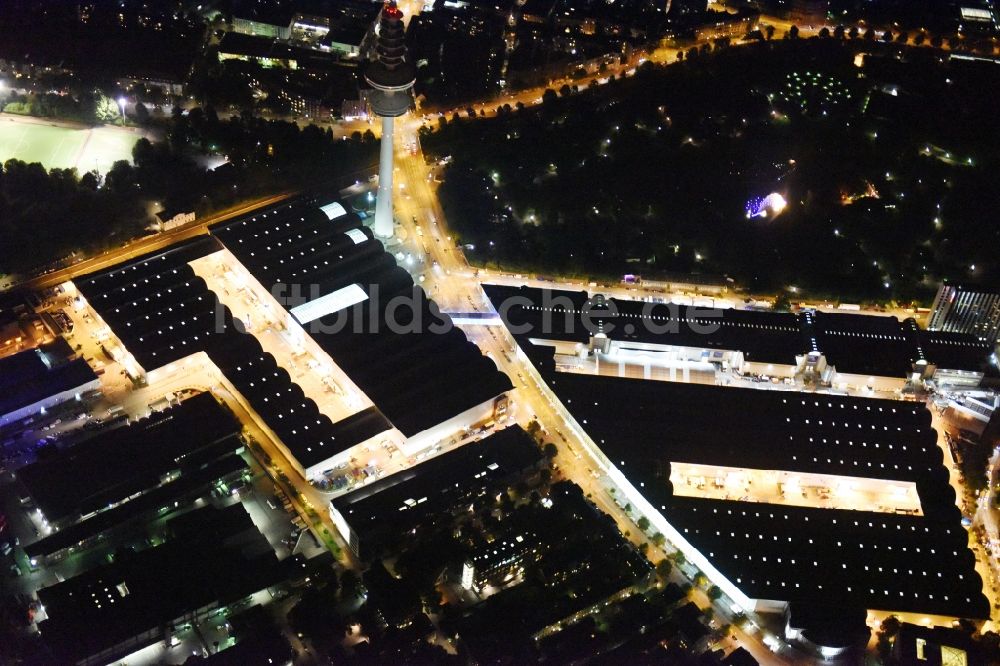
pixel 391 76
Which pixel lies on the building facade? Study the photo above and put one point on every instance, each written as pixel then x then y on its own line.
pixel 970 309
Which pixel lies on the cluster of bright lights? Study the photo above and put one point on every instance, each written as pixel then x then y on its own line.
pixel 813 92
pixel 769 206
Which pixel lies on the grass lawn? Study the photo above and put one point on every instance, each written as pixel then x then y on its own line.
pixel 64 147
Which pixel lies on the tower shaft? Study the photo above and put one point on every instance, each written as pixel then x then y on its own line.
pixel 383 205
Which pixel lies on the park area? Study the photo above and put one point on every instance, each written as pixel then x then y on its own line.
pixel 58 146
pixel 842 169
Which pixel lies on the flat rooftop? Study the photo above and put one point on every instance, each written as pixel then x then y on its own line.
pixel 958 351
pixel 562 315
pixel 181 489
pixel 396 503
pixel 113 466
pixel 417 375
pixel 853 558
pixel 36 374
pixel 310 435
pixel 651 422
pixel 880 561
pixel 215 557
pixel 853 343
pixel 162 312
pixel 155 304
pixel 867 344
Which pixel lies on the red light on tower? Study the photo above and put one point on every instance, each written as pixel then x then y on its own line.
pixel 390 10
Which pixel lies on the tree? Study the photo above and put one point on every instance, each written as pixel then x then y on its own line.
pixel 919 38
pixel 471 112
pixel 887 632
pixel 887 37
pixel 663 568
pixel 870 34
pixel 902 37
pixel 534 428
pixel 565 90
pixel 781 302
pixel 549 96
pixel 550 450
pixel 853 32
pixel 143 152
pixel 141 113
pixel 120 179
pixel 937 41
pixel 700 579
pixel 350 584
pixel 714 593
pixel 680 55
pixel 679 558
pixel 106 110
pixel 90 180
pixel 838 32
pixel 658 540
pixel 769 32
pixel 890 626
pixel 643 523
pixel 824 33
pixel 967 627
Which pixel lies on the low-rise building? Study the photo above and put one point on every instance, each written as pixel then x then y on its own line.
pixel 414 386
pixel 261 20
pixel 777 496
pixel 119 466
pixel 658 340
pixel 214 559
pixel 370 518
pixel 935 646
pixel 37 380
pixel 171 219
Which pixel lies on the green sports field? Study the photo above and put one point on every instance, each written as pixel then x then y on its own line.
pixel 64 147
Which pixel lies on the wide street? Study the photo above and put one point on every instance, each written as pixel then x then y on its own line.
pixel 146 244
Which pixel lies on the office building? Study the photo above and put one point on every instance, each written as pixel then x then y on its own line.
pixel 969 309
